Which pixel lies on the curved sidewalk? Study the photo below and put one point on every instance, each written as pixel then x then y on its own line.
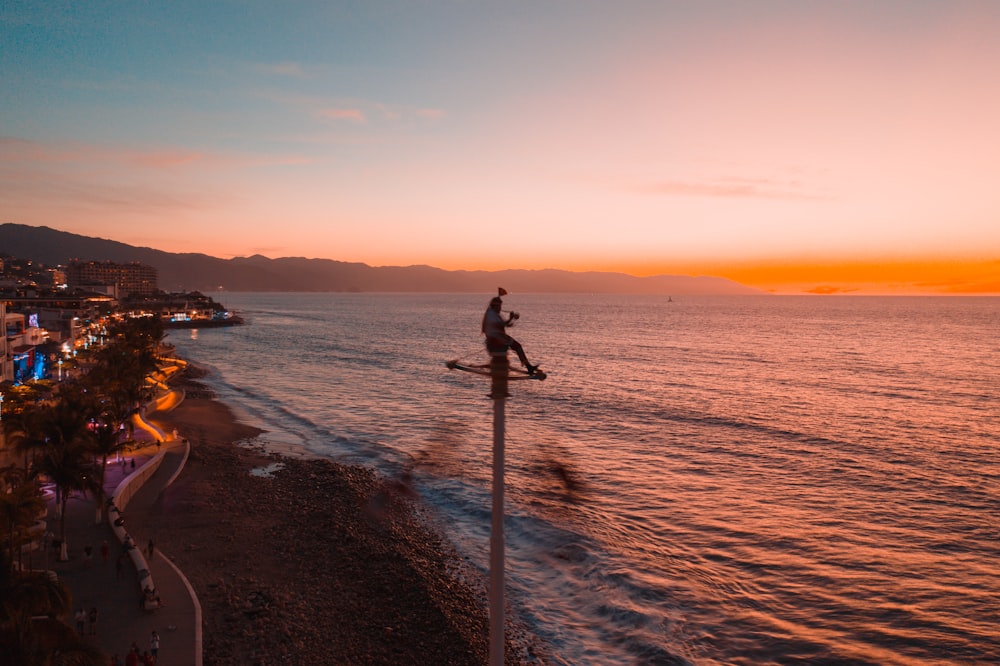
pixel 117 596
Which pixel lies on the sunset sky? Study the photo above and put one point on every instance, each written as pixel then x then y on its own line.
pixel 825 147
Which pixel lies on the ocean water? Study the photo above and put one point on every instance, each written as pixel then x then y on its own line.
pixel 728 480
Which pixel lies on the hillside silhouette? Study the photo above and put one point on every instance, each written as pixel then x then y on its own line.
pixel 201 272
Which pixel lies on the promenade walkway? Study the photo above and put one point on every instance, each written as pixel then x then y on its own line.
pixel 98 583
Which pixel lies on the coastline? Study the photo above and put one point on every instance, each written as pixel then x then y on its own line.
pixel 317 562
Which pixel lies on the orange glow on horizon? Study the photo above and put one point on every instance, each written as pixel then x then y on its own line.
pixel 940 277
pixel 853 153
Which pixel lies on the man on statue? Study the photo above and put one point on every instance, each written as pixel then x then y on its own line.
pixel 497 340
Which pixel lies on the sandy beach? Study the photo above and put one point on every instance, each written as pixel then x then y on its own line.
pixel 318 563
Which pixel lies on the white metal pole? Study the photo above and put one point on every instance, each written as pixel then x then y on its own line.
pixel 499 369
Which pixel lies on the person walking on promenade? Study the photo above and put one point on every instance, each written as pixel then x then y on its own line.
pixel 132 658
pixel 154 645
pixel 92 620
pixel 149 549
pixel 497 340
pixel 81 619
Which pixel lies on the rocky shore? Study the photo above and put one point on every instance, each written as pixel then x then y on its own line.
pixel 314 563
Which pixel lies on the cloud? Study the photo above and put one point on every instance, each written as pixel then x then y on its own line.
pixel 22 151
pixel 353 110
pixel 970 286
pixel 169 159
pixel 828 290
pixel 56 179
pixel 352 115
pixel 266 250
pixel 290 69
pixel 388 113
pixel 138 198
pixel 432 114
pixel 166 159
pixel 396 114
pixel 12 148
pixel 734 188
pixel 977 288
pixel 41 190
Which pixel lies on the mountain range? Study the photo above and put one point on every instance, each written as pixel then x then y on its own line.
pixel 201 272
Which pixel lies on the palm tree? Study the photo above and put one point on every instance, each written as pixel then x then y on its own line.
pixel 121 367
pixel 31 593
pixel 107 441
pixel 31 632
pixel 24 430
pixel 70 467
pixel 67 458
pixel 21 502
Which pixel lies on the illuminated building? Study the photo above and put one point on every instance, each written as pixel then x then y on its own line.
pixel 130 280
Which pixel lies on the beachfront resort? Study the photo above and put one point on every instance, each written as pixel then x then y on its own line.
pixel 110 554
pixel 81 366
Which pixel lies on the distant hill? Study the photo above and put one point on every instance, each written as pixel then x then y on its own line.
pixel 189 272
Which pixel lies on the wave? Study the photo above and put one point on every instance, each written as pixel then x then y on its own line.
pixel 696 484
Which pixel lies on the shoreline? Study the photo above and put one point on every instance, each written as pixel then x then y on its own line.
pixel 316 562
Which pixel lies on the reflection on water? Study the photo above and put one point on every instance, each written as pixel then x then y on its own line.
pixel 731 481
